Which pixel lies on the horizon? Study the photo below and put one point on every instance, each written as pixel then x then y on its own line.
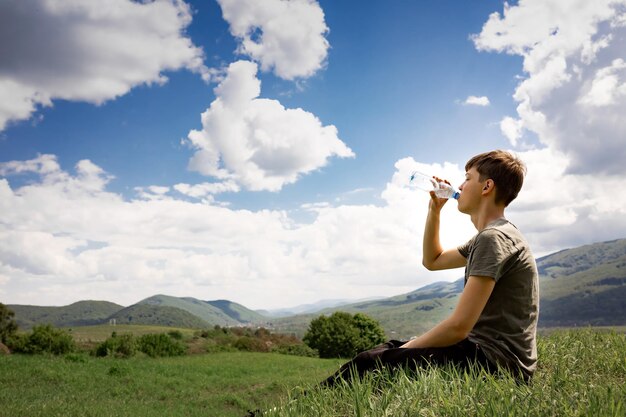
pixel 260 152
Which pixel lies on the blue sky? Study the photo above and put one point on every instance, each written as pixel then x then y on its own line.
pixel 258 151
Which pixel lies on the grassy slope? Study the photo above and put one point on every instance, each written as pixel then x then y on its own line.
pixel 100 333
pixel 159 316
pixel 238 312
pixel 580 373
pixel 81 313
pixel 201 309
pixel 222 384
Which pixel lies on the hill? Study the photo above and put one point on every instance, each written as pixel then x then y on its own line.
pixel 238 312
pixel 161 310
pixel 158 316
pixel 81 313
pixel 201 309
pixel 584 286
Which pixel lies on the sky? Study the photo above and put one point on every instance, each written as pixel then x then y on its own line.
pixel 259 151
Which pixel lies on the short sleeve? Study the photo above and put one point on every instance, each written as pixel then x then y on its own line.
pixel 490 253
pixel 464 249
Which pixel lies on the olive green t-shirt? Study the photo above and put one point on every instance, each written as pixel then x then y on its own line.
pixel 507 327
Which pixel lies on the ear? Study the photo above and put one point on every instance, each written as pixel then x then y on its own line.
pixel 488 186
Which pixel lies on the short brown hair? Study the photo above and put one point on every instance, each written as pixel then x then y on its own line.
pixel 505 169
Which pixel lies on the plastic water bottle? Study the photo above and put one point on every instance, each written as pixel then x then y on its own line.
pixel 428 183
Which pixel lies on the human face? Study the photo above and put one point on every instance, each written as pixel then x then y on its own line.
pixel 471 192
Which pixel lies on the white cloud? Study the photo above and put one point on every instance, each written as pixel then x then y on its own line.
pixel 287 37
pixel 59 231
pixel 477 101
pixel 207 188
pixel 512 129
pixel 257 142
pixel 67 229
pixel 573 95
pixel 87 51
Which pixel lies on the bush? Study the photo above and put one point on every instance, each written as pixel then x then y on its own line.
pixel 297 350
pixel 251 344
pixel 123 346
pixel 156 345
pixel 8 327
pixel 343 335
pixel 43 339
pixel 175 334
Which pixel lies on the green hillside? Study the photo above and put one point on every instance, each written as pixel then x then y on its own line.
pixel 584 286
pixel 158 316
pixel 238 312
pixel 82 313
pixel 201 309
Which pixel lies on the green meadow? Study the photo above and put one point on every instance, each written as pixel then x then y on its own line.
pixel 581 373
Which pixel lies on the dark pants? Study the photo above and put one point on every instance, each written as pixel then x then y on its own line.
pixel 390 356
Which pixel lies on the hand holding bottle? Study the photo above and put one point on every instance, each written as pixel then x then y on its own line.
pixel 441 188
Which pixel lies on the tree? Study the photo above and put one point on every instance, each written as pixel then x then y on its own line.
pixel 8 327
pixel 343 335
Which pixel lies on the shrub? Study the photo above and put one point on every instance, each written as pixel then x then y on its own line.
pixel 175 334
pixel 123 346
pixel 251 344
pixel 8 327
pixel 43 339
pixel 297 350
pixel 343 335
pixel 156 345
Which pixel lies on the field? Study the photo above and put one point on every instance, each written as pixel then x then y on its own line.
pixel 581 373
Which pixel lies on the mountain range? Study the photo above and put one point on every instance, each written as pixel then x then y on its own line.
pixel 579 287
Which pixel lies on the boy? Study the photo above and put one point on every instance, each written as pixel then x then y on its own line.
pixel 495 321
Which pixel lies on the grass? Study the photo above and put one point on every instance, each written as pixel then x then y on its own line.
pixel 222 384
pixel 101 332
pixel 580 373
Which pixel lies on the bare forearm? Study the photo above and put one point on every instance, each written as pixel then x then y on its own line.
pixel 444 334
pixel 431 247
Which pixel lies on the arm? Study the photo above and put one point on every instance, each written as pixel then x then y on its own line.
pixel 456 327
pixel 433 256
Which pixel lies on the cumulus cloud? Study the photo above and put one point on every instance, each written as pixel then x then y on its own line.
pixel 287 37
pixel 477 101
pixel 84 51
pixel 257 142
pixel 67 229
pixel 573 94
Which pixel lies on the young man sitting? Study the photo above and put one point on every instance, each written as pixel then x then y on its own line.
pixel 495 321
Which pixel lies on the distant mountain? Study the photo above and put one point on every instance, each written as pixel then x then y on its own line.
pixel 309 308
pixel 201 309
pixel 81 313
pixel 160 310
pixel 238 312
pixel 401 316
pixel 158 316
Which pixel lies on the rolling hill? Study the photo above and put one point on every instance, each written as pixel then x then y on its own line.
pixel 146 314
pixel 81 313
